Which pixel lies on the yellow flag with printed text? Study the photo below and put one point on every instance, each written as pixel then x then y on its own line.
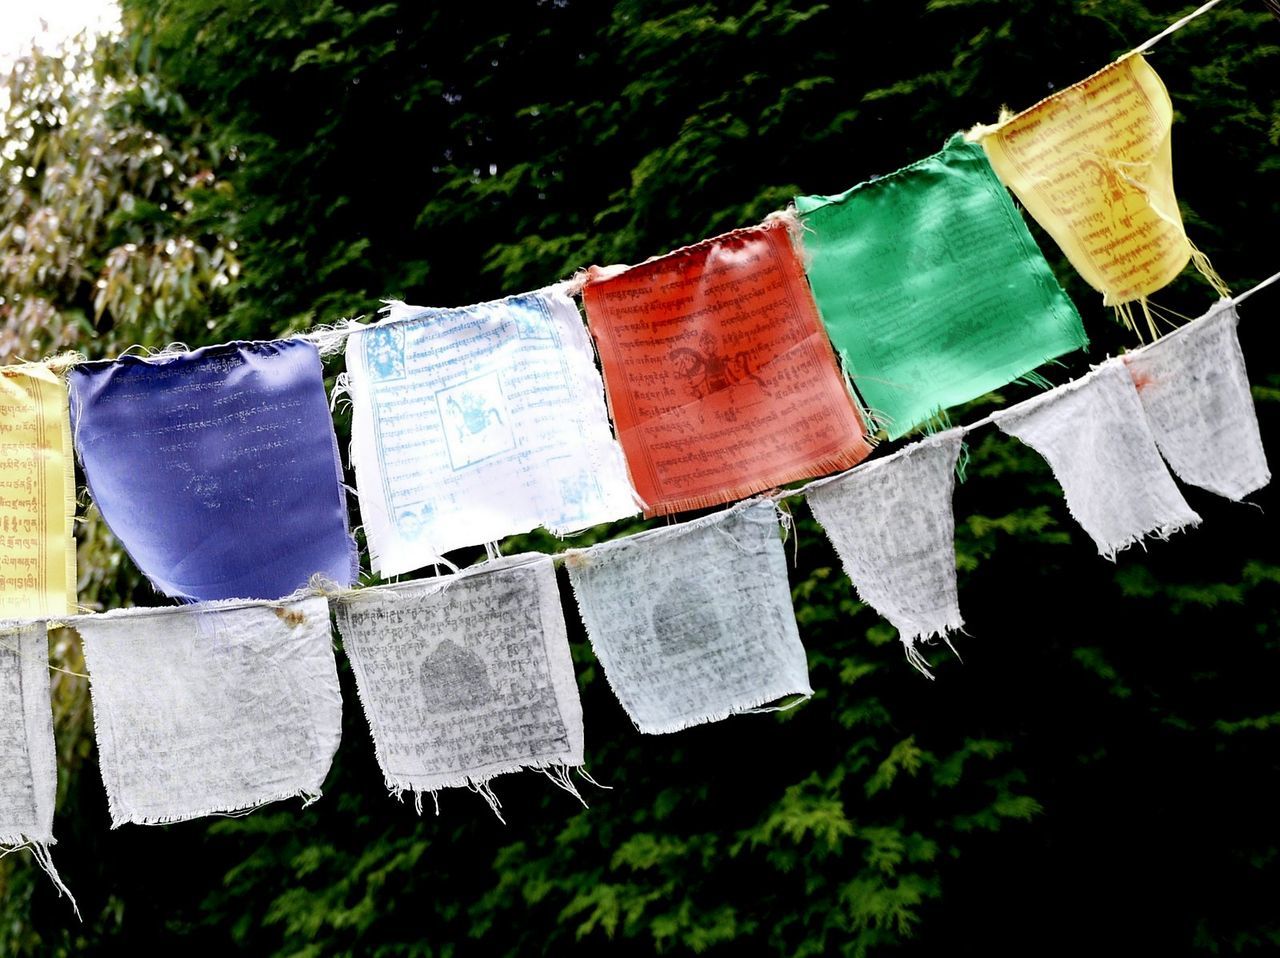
pixel 1093 165
pixel 37 495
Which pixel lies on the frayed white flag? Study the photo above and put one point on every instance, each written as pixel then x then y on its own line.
pixel 891 523
pixel 465 677
pixel 209 708
pixel 28 762
pixel 693 622
pixel 1095 437
pixel 1195 391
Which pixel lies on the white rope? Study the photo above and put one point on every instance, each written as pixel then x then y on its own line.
pixel 1178 25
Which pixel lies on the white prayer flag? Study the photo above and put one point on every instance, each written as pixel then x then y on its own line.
pixel 28 761
pixel 1095 437
pixel 214 707
pixel 476 423
pixel 693 622
pixel 464 677
pixel 1195 390
pixel 891 523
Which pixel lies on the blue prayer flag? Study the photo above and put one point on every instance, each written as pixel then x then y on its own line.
pixel 218 469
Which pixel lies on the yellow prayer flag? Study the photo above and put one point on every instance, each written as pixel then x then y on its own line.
pixel 1092 164
pixel 37 495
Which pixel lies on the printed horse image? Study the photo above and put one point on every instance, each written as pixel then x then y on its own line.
pixel 708 371
pixel 471 416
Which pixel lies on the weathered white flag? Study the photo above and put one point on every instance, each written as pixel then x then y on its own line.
pixel 693 622
pixel 1195 390
pixel 1095 437
pixel 213 707
pixel 892 525
pixel 464 677
pixel 28 762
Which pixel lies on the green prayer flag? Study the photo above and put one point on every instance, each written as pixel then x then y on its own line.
pixel 931 287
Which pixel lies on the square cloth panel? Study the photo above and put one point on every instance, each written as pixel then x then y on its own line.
pixel 892 524
pixel 1093 164
pixel 721 380
pixel 1095 437
pixel 476 423
pixel 1195 390
pixel 211 708
pixel 693 623
pixel 218 469
pixel 467 676
pixel 37 495
pixel 932 288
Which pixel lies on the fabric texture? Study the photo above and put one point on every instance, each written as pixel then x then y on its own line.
pixel 28 760
pixel 218 469
pixel 1095 437
pixel 477 423
pixel 693 622
pixel 891 523
pixel 1195 391
pixel 29 781
pixel 217 707
pixel 1093 164
pixel 464 677
pixel 932 288
pixel 720 378
pixel 37 495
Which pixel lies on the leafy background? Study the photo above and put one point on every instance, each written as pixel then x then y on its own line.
pixel 1102 769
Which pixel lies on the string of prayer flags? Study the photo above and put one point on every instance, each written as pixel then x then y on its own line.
pixel 1096 439
pixel 720 378
pixel 891 523
pixel 1195 391
pixel 932 288
pixel 217 469
pixel 211 708
pixel 28 762
pixel 465 677
pixel 37 495
pixel 693 622
pixel 1093 164
pixel 476 423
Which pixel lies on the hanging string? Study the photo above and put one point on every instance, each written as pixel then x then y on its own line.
pixel 1173 27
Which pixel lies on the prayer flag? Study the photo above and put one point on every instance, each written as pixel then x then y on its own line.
pixel 28 761
pixel 932 288
pixel 217 469
pixel 693 622
pixel 464 677
pixel 1195 391
pixel 720 378
pixel 216 707
pixel 476 423
pixel 37 495
pixel 892 524
pixel 1095 437
pixel 1093 164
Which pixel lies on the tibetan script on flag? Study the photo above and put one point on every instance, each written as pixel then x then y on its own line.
pixel 467 676
pixel 1093 165
pixel 721 380
pixel 218 469
pixel 932 288
pixel 37 495
pixel 475 423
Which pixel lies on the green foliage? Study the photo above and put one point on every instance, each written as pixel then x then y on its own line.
pixel 1100 770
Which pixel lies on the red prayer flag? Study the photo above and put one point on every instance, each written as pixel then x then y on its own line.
pixel 721 379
